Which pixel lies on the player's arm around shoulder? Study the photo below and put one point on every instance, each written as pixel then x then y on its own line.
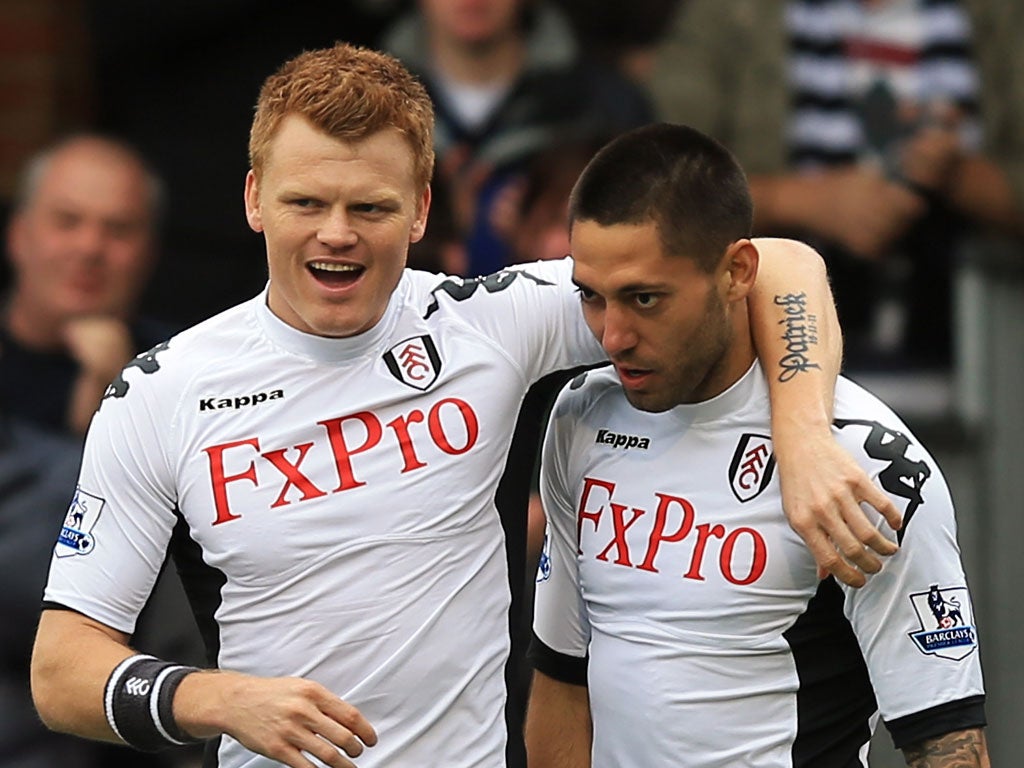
pixel 799 343
pixel 87 681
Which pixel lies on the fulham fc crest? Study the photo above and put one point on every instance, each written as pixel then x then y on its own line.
pixel 414 362
pixel 751 467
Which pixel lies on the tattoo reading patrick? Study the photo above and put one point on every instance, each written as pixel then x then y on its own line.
pixel 801 333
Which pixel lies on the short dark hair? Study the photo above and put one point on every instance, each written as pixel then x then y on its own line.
pixel 687 183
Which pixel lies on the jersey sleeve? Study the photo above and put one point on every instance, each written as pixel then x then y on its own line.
pixel 114 538
pixel 914 620
pixel 561 629
pixel 530 311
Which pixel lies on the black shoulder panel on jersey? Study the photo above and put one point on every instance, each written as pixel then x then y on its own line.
pixel 560 666
pixel 145 362
pixel 202 584
pixel 904 476
pixel 938 721
pixel 463 288
pixel 835 701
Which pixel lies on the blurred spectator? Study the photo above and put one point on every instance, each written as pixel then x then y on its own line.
pixel 38 469
pixel 532 213
pixel 37 480
pixel 507 79
pixel 860 125
pixel 82 243
pixel 622 35
pixel 442 248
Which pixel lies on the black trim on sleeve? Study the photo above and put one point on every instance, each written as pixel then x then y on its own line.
pixel 938 721
pixel 50 605
pixel 557 665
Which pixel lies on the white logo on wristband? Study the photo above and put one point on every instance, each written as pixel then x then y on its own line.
pixel 137 686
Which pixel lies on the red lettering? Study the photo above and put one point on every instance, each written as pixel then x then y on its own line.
pixel 658 532
pixel 292 475
pixel 758 561
pixel 342 453
pixel 220 480
pixel 437 428
pixel 452 425
pixel 400 427
pixel 621 526
pixel 625 517
pixel 753 462
pixel 704 531
pixel 581 512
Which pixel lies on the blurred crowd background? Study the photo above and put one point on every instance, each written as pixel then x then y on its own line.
pixel 887 133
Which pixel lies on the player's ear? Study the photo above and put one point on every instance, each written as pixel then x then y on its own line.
pixel 253 214
pixel 419 225
pixel 741 259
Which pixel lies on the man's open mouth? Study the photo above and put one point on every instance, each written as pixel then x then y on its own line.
pixel 335 275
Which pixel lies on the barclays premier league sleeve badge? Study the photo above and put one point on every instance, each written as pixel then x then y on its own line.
pixel 76 534
pixel 947 622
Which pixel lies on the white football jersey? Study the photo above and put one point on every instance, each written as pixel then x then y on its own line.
pixel 672 585
pixel 330 502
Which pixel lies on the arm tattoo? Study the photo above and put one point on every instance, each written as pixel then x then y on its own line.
pixel 801 333
pixel 960 749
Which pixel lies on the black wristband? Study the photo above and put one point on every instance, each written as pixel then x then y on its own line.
pixel 138 703
pixel 165 705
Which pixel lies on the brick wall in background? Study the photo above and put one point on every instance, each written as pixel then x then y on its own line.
pixel 45 79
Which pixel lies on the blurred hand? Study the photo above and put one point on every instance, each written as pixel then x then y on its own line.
pixel 930 157
pixel 101 345
pixel 864 211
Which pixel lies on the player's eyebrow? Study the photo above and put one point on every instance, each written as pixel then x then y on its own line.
pixel 628 288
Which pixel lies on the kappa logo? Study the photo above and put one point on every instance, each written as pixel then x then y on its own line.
pixel 242 401
pixel 414 361
pixel 947 622
pixel 621 440
pixel 76 534
pixel 751 467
